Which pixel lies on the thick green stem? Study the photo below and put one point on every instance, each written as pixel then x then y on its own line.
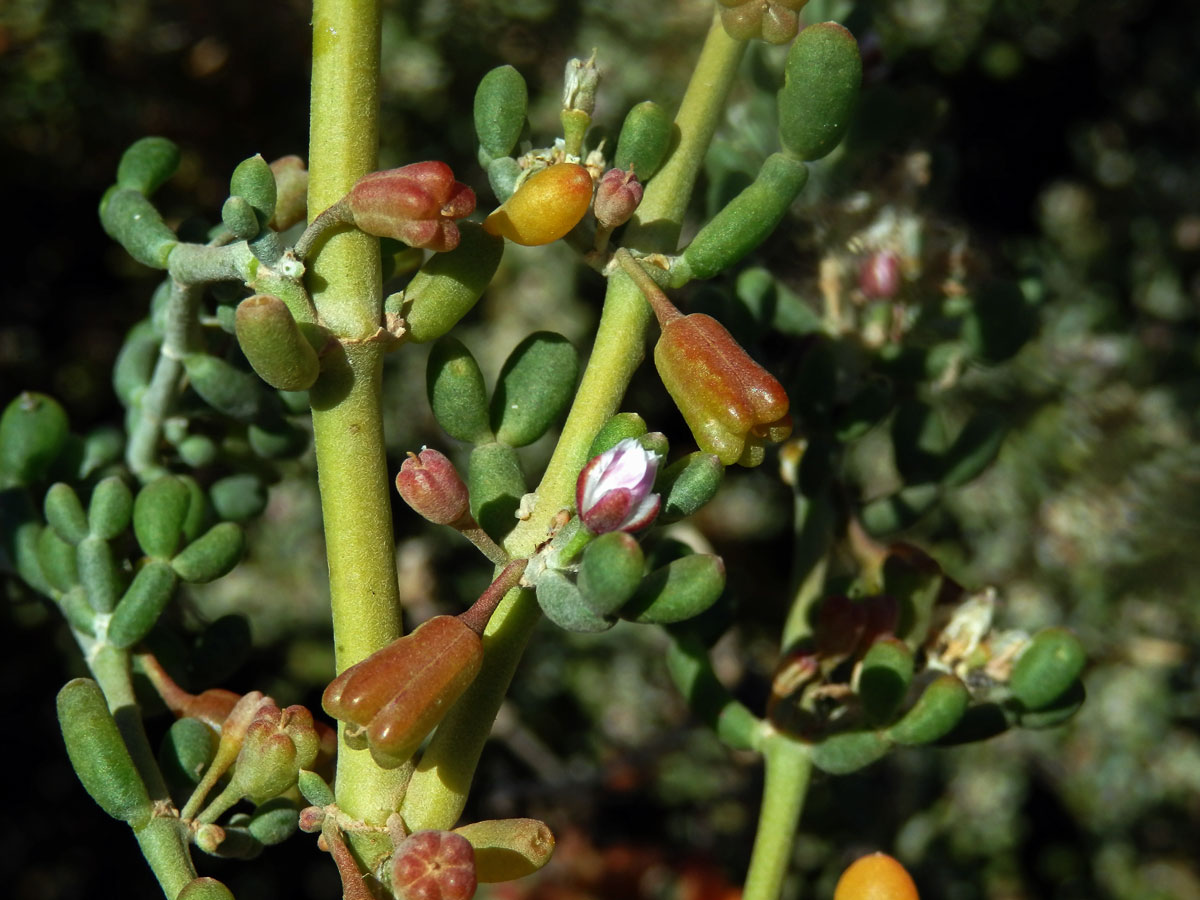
pixel 347 420
pixel 437 793
pixel 788 770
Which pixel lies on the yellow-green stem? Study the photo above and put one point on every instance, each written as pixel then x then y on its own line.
pixel 437 793
pixel 344 282
pixel 788 766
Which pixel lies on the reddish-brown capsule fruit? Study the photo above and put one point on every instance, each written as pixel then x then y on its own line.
pixel 434 865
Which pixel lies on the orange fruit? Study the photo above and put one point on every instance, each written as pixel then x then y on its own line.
pixel 875 877
pixel 548 205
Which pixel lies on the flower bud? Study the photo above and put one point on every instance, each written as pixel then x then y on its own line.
pixel 429 483
pixel 416 204
pixel 545 207
pixel 617 196
pixel 732 405
pixel 879 275
pixel 434 865
pixel 276 746
pixel 613 490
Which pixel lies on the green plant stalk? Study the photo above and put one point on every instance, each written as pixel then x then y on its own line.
pixel 788 767
pixel 437 793
pixel 344 281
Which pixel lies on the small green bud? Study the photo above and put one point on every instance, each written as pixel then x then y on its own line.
pixel 98 753
pixel 820 90
pixel 535 386
pixel 678 591
pixel 1051 663
pixel 500 104
pixel 449 284
pixel 746 220
pixel 274 822
pixel 496 486
pixel 274 345
pixel 883 678
pixel 111 508
pixel 254 180
pixel 456 391
pixel 57 560
pixel 610 571
pixel 563 604
pixel 64 513
pixel 615 430
pixel 33 431
pixel 98 573
pixel 238 216
pixel 147 163
pixel 237 498
pixel 159 514
pixel 135 362
pixel 689 483
pixel 133 222
pixel 212 555
pixel 935 713
pixel 143 602
pixel 645 140
pixel 506 849
pixel 849 751
pixel 278 743
pixel 230 390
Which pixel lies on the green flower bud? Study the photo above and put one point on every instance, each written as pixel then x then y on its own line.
pixel 848 752
pixel 563 604
pixel 689 483
pixel 135 363
pixel 935 713
pixel 820 90
pixel 98 753
pixel 98 573
pixel 274 345
pixel 883 678
pixel 57 560
pixel 456 392
pixel 678 591
pixel 745 221
pixel 449 284
pixel 507 849
pixel 500 103
pixel 610 571
pixel 254 180
pixel 64 513
pixel 133 222
pixel 143 602
pixel 33 431
pixel 147 163
pixel 615 430
pixel 277 744
pixel 230 390
pixel 160 512
pixel 212 555
pixel 110 509
pixel 496 486
pixel 1051 663
pixel 535 386
pixel 238 498
pixel 645 140
pixel 239 217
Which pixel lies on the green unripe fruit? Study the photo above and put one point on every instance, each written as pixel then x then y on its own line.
pixel 848 752
pixel 135 363
pixel 111 508
pixel 820 90
pixel 503 175
pixel 159 514
pixel 563 604
pixel 535 386
pixel 496 486
pixel 237 498
pixel 226 388
pixel 449 284
pixel 883 678
pixel 644 141
pixel 98 573
pixel 133 222
pixel 689 483
pixel 500 103
pixel 57 560
pixel 506 849
pixel 186 751
pixel 142 604
pixel 677 591
pixel 935 713
pixel 274 822
pixel 274 345
pixel 239 217
pixel 147 163
pixel 211 555
pixel 254 180
pixel 610 571
pixel 98 753
pixel 615 430
pixel 33 431
pixel 456 391
pixel 745 221
pixel 64 513
pixel 1051 663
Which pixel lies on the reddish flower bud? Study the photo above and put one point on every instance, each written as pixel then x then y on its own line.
pixel 879 275
pixel 613 490
pixel 434 865
pixel 416 204
pixel 429 483
pixel 732 404
pixel 617 196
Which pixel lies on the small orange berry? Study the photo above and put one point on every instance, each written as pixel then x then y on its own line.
pixel 875 877
pixel 544 208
